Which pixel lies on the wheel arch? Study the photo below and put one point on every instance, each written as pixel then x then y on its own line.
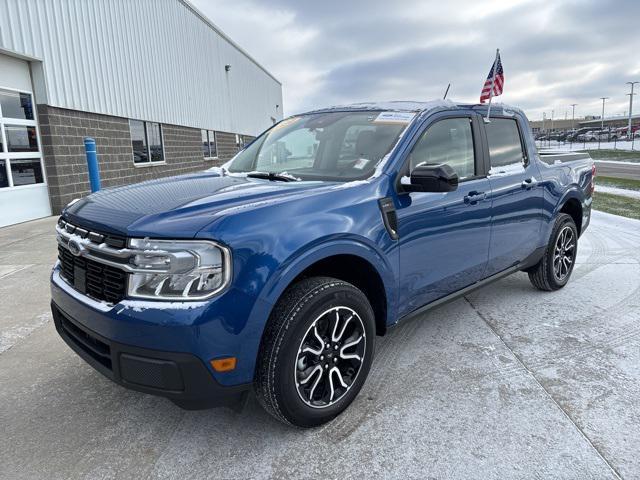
pixel 350 261
pixel 572 206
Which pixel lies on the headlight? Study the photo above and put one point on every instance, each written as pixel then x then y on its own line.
pixel 178 270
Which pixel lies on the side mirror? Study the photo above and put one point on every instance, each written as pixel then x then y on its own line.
pixel 432 178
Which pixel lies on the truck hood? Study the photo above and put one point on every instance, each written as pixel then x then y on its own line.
pixel 176 207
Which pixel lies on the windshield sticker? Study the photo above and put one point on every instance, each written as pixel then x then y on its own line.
pixel 360 163
pixel 394 117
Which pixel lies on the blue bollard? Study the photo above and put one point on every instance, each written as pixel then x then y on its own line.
pixel 92 163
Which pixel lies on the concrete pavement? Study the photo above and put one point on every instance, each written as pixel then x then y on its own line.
pixel 508 382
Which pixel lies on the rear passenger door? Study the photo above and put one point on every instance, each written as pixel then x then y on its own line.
pixel 516 195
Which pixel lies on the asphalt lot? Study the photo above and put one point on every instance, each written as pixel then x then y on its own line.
pixel 619 169
pixel 508 382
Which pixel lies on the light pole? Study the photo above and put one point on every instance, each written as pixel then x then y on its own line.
pixel 630 106
pixel 573 114
pixel 602 118
pixel 552 120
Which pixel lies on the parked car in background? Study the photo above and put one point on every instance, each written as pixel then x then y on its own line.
pixel 619 134
pixel 572 137
pixel 594 136
pixel 276 271
pixel 583 136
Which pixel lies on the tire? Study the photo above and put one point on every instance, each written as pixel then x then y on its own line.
pixel 545 275
pixel 296 381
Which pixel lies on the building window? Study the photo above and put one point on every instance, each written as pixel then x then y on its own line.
pixel 154 134
pixel 21 138
pixel 4 177
pixel 20 157
pixel 26 171
pixel 16 105
pixel 209 144
pixel 240 141
pixel 146 142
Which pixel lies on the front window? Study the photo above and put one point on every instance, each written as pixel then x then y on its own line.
pixel 333 146
pixel 449 142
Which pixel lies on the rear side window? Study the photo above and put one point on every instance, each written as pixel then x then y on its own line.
pixel 450 142
pixel 505 145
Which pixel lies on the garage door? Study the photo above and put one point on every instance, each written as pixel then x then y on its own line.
pixel 23 188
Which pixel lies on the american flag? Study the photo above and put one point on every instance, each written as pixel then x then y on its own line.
pixel 498 82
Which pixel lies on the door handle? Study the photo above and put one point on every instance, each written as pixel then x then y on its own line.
pixel 529 183
pixel 474 197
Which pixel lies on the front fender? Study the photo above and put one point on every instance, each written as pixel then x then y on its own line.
pixel 301 260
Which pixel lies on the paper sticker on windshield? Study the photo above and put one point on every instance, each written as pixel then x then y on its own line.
pixel 360 163
pixel 394 117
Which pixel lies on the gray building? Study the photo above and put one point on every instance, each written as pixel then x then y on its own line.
pixel 161 89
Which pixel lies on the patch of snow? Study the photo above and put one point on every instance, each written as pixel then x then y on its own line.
pixel 69 290
pixel 143 305
pixel 618 191
pixel 616 221
pixel 8 338
pixel 615 162
pixel 507 169
pixel 6 270
pixel 626 145
pixel 395 105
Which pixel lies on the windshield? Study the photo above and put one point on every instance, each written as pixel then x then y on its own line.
pixel 334 146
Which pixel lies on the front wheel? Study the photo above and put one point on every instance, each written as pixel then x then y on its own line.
pixel 316 351
pixel 553 270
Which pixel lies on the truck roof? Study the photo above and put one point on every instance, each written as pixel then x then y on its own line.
pixel 413 106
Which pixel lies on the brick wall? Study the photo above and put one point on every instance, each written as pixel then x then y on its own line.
pixel 62 133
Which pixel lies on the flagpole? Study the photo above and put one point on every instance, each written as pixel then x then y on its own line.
pixel 493 81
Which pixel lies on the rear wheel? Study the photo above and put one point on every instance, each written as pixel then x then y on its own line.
pixel 553 270
pixel 316 352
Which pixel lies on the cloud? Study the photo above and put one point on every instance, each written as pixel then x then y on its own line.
pixel 337 51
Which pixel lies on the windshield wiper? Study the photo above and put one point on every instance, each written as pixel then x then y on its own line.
pixel 273 176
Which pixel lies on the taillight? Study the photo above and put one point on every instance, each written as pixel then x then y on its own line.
pixel 593 178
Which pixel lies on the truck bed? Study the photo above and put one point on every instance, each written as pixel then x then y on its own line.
pixel 551 157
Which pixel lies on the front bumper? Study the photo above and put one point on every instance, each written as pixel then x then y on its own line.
pixel 181 377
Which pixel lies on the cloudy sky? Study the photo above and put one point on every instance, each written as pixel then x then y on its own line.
pixel 554 53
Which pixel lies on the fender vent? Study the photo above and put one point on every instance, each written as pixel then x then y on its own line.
pixel 389 216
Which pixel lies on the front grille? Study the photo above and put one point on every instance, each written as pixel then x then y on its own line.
pixel 99 281
pixel 97 349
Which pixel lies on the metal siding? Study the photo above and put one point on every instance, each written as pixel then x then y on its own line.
pixel 146 59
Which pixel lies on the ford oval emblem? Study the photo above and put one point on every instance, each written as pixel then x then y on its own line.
pixel 75 248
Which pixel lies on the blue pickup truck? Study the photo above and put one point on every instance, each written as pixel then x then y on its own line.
pixel 275 272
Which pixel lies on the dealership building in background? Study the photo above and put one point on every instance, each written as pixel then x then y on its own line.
pixel 158 86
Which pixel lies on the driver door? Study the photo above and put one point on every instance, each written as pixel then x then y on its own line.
pixel 444 237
